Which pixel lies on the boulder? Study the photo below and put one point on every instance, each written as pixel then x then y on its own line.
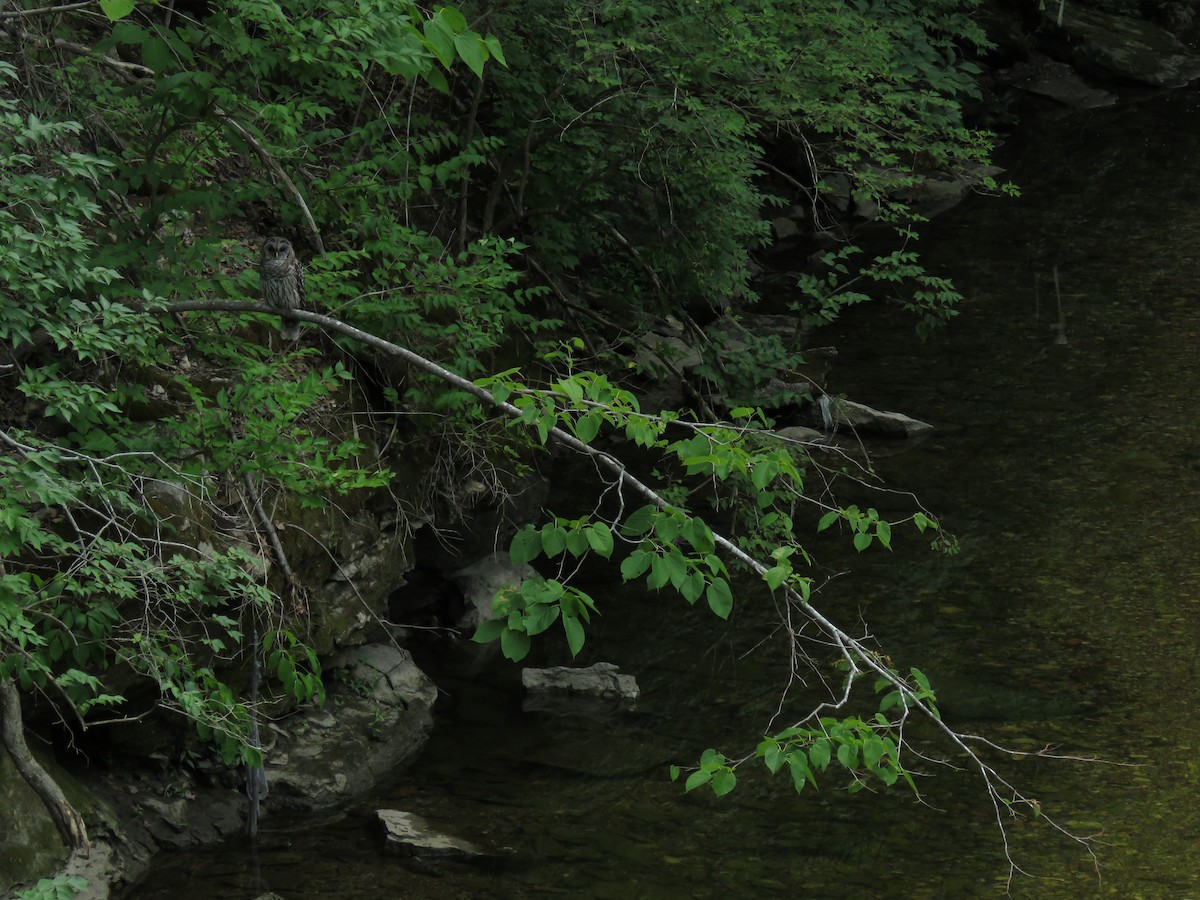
pixel 480 582
pixel 378 719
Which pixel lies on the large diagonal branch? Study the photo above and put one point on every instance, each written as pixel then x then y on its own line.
pixel 858 656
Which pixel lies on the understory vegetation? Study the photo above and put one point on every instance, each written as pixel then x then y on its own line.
pixel 516 192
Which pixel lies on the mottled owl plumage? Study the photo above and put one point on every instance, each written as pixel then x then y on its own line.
pixel 282 280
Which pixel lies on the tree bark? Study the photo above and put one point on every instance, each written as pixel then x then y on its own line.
pixel 66 819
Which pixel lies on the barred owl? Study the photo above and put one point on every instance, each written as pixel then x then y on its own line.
pixel 282 280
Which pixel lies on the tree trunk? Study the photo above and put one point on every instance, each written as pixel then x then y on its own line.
pixel 66 819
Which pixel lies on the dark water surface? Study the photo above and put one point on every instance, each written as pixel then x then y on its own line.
pixel 1067 462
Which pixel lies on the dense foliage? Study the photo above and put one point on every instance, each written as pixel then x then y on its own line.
pixel 461 182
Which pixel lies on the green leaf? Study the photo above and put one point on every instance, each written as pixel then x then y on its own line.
pixel 699 535
pixel 873 751
pixel 674 771
pixel 720 598
pixel 697 778
pixel 883 531
pixel 578 541
pixel 660 573
pixel 495 50
pixel 774 757
pixel 692 587
pixel 828 519
pixel 436 79
pixel 635 564
pixel 472 50
pixel 847 755
pixel 639 521
pixel 575 634
pixel 677 566
pixel 818 754
pixel 554 539
pixel 601 538
pixel 587 427
pixel 117 9
pixel 453 18
pixel 777 575
pixel 667 528
pixel 514 644
pixel 156 55
pixel 526 545
pixel 723 782
pixel 540 618
pixel 798 766
pixel 862 541
pixel 440 39
pixel 571 388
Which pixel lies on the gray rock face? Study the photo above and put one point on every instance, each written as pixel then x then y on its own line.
pixel 405 834
pixel 1107 45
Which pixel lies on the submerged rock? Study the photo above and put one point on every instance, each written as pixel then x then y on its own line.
pixel 405 834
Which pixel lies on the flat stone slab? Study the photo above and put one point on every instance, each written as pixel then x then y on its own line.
pixel 602 680
pixel 837 414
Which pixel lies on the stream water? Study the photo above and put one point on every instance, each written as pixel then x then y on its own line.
pixel 1066 461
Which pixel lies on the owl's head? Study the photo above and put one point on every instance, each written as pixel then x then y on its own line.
pixel 276 249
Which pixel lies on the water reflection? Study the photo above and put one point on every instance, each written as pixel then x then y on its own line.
pixel 1068 470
